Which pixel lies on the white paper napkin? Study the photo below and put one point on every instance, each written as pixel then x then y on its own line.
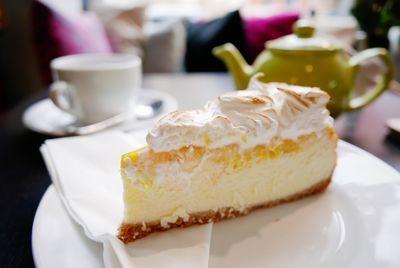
pixel 85 172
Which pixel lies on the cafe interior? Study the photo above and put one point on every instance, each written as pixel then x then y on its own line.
pixel 84 82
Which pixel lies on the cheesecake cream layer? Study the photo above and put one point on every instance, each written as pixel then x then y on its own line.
pixel 168 186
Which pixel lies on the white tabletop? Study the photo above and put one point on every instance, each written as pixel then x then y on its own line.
pixel 191 90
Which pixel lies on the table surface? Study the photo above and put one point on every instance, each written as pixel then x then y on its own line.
pixel 24 177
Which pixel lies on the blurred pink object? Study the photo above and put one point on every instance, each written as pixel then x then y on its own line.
pixel 56 34
pixel 81 34
pixel 260 30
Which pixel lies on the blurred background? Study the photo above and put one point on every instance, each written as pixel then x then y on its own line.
pixel 172 35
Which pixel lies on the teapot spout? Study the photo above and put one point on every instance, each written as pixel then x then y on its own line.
pixel 235 63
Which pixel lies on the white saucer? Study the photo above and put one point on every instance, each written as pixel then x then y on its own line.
pixel 44 117
pixel 354 224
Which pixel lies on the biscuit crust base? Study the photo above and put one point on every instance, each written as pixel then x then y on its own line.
pixel 131 232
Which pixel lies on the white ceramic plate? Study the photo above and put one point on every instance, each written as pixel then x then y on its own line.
pixel 44 117
pixel 354 224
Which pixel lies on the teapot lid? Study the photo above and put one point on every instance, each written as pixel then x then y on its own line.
pixel 303 40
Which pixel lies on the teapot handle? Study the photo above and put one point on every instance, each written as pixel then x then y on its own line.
pixel 369 96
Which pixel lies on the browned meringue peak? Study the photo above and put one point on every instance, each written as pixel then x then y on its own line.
pixel 248 118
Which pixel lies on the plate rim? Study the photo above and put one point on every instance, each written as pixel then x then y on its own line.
pixel 49 191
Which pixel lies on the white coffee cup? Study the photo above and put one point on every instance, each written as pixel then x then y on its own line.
pixel 95 87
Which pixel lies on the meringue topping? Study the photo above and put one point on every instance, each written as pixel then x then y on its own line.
pixel 247 118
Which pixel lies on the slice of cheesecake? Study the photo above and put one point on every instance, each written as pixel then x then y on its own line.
pixel 261 147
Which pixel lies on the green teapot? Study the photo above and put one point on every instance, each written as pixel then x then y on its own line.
pixel 305 60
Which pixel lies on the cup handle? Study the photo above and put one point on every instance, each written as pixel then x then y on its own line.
pixel 60 95
pixel 369 96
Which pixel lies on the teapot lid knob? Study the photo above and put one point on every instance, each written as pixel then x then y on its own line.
pixel 304 29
